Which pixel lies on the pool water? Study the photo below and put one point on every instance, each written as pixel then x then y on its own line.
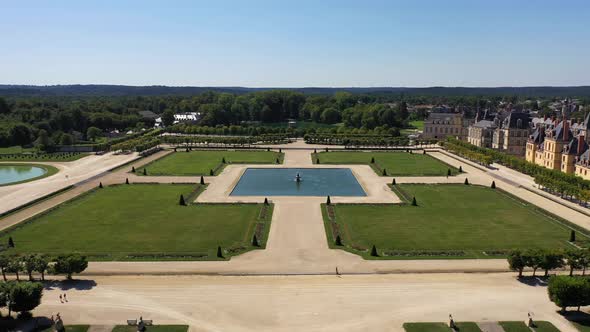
pixel 18 173
pixel 314 182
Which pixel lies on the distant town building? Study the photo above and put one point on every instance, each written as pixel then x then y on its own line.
pixel 181 117
pixel 443 122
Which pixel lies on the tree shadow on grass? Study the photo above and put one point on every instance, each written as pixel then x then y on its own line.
pixel 534 281
pixel 579 317
pixel 70 284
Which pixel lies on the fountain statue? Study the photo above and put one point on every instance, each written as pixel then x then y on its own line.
pixel 298 177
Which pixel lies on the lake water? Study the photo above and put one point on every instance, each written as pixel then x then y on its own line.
pixel 14 173
pixel 314 182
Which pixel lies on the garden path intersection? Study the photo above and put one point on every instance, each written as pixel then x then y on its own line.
pixel 290 285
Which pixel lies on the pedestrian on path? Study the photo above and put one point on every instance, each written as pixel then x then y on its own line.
pixel 60 299
pixel 65 298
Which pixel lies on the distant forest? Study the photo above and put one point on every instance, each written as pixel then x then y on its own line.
pixel 125 90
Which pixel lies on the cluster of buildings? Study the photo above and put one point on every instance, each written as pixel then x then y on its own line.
pixel 556 143
pixel 178 117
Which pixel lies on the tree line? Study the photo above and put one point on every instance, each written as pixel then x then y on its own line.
pixel 66 265
pixel 547 260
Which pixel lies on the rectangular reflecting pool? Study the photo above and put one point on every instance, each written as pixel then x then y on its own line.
pixel 313 182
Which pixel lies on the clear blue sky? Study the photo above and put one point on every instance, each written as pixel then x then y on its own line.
pixel 296 43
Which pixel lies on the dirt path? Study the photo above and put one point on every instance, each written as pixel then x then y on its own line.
pixel 302 303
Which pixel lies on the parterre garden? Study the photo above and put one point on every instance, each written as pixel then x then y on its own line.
pixel 389 163
pixel 143 222
pixel 448 221
pixel 206 162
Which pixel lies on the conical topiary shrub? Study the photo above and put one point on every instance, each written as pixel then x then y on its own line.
pixel 460 169
pixel 145 171
pixel 466 181
pixel 211 172
pixel 255 241
pixel 573 236
pixel 126 180
pixel 278 161
pixel 181 200
pixel 493 185
pixel 223 160
pixel 385 172
pixel 393 181
pixel 374 252
pixel 10 242
pixel 265 201
pixel 328 201
pixel 100 185
pixel 132 169
pixel 317 160
pixel 449 172
pixel 202 180
pixel 414 202
pixel 372 160
pixel 338 241
pixel 219 252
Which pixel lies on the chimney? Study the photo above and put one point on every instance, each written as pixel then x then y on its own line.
pixel 580 145
pixel 566 129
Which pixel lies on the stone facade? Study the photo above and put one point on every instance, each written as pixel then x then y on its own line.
pixel 560 145
pixel 441 124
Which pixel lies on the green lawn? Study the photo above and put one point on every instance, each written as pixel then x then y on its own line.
pixel 143 222
pixel 418 124
pixel 515 327
pixel 32 156
pixel 15 149
pixel 71 328
pixel 426 327
pixel 49 171
pixel 450 221
pixel 155 328
pixel 395 163
pixel 543 326
pixel 201 162
pixel 582 326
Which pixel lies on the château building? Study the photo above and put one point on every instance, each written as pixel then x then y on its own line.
pixel 561 145
pixel 506 131
pixel 445 122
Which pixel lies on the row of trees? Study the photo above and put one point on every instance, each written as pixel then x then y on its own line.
pixel 35 263
pixel 554 180
pixel 547 260
pixel 221 141
pixel 20 297
pixel 357 140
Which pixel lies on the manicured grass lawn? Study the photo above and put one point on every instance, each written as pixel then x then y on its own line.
pixel 450 221
pixel 155 328
pixel 32 156
pixel 143 222
pixel 15 149
pixel 201 162
pixel 49 171
pixel 426 327
pixel 515 327
pixel 581 325
pixel 544 326
pixel 418 124
pixel 440 327
pixel 395 163
pixel 71 328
